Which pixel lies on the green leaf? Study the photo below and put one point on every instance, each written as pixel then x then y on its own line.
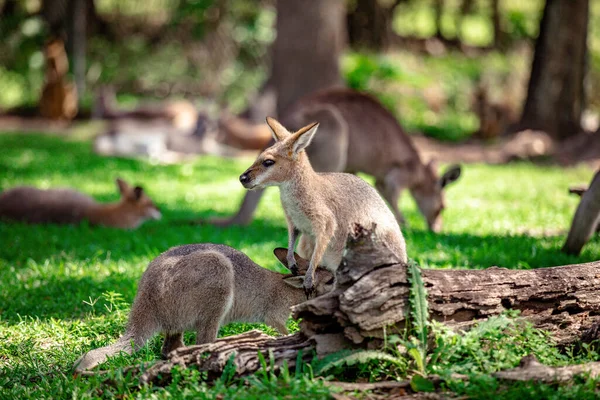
pixel 419 383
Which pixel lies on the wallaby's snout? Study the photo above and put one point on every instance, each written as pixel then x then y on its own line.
pixel 245 179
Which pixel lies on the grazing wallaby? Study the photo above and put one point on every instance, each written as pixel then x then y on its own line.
pixel 202 287
pixel 357 134
pixel 67 206
pixel 59 97
pixel 321 206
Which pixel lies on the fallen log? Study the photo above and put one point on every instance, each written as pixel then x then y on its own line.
pixel 373 295
pixel 371 300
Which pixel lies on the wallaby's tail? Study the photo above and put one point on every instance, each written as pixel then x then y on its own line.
pixel 127 343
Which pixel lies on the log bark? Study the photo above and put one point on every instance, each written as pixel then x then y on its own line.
pixel 373 295
pixel 586 220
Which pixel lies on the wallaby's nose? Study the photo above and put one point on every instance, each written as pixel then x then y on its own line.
pixel 244 178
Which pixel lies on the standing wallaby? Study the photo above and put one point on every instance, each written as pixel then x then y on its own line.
pixel 67 206
pixel 202 287
pixel 321 206
pixel 357 134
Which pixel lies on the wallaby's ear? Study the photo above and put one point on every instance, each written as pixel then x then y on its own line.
pixel 451 175
pixel 295 281
pixel 279 131
pixel 281 255
pixel 301 139
pixel 137 192
pixel 301 263
pixel 124 187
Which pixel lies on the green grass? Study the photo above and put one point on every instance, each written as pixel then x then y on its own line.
pixel 67 289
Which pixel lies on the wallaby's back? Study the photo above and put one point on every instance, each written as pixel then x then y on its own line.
pixel 376 140
pixel 33 205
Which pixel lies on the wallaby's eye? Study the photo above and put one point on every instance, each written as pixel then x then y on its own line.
pixel 268 163
pixel 330 281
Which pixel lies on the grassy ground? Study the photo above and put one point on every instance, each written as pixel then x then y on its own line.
pixel 67 289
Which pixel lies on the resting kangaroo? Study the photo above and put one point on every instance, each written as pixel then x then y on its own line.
pixel 67 206
pixel 202 287
pixel 357 134
pixel 321 206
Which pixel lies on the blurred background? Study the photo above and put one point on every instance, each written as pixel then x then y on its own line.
pixel 452 70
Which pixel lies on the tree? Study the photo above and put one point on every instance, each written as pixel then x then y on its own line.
pixel 370 23
pixel 555 95
pixel 310 38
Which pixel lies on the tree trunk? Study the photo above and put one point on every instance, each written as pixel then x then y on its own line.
pixel 310 38
pixel 370 25
pixel 586 219
pixel 77 41
pixel 555 96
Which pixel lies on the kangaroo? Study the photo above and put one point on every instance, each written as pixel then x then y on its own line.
pixel 59 97
pixel 358 134
pixel 67 206
pixel 202 287
pixel 321 206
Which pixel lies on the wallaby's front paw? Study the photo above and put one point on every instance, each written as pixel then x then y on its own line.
pixel 309 287
pixel 294 269
pixel 309 293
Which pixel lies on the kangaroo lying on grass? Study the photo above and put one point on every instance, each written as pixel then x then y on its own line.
pixel 321 206
pixel 357 134
pixel 67 206
pixel 202 287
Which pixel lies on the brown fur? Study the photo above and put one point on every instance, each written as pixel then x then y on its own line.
pixel 357 134
pixel 202 287
pixel 59 97
pixel 321 206
pixel 67 206
pixel 377 145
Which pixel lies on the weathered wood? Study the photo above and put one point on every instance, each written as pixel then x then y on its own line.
pixel 373 296
pixel 530 369
pixel 586 219
pixel 213 357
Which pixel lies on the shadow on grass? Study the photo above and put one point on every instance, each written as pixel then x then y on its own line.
pixel 45 291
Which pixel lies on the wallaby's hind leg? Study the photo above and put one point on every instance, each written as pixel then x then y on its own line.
pixel 306 246
pixel 207 330
pixel 278 325
pixel 329 149
pixel 172 341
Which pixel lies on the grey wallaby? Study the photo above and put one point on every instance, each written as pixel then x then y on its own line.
pixel 67 206
pixel 202 287
pixel 321 206
pixel 357 134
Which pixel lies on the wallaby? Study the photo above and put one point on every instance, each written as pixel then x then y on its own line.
pixel 357 134
pixel 202 287
pixel 67 206
pixel 59 97
pixel 321 206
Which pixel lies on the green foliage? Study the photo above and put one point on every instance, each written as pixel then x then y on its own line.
pixel 419 312
pixel 497 343
pixel 338 361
